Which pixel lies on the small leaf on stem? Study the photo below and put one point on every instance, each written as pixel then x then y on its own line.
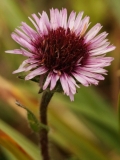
pixel 35 125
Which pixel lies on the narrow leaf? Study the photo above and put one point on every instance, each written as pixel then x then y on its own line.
pixel 17 144
pixel 35 125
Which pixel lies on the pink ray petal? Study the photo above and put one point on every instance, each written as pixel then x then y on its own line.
pixel 22 35
pixel 54 80
pixel 21 67
pixel 15 51
pixel 36 72
pixel 80 79
pixel 64 84
pixel 47 81
pixel 71 20
pixel 64 18
pixel 92 32
pixel 78 21
pixel 71 96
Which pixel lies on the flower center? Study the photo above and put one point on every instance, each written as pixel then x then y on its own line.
pixel 61 50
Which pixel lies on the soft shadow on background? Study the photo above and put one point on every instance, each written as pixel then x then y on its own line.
pixel 86 129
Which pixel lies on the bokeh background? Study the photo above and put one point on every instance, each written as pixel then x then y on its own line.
pixel 86 129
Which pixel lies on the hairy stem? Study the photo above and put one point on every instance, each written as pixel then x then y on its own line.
pixel 46 97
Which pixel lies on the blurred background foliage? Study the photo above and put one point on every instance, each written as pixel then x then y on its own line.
pixel 86 129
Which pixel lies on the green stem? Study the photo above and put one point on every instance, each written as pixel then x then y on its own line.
pixel 46 97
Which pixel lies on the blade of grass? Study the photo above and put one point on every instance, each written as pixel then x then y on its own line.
pixel 78 144
pixel 16 143
pixel 8 154
pixel 103 122
pixel 119 111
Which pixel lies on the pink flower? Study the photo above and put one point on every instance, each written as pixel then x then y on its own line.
pixel 62 50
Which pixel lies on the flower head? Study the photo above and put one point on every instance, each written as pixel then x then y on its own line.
pixel 62 50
